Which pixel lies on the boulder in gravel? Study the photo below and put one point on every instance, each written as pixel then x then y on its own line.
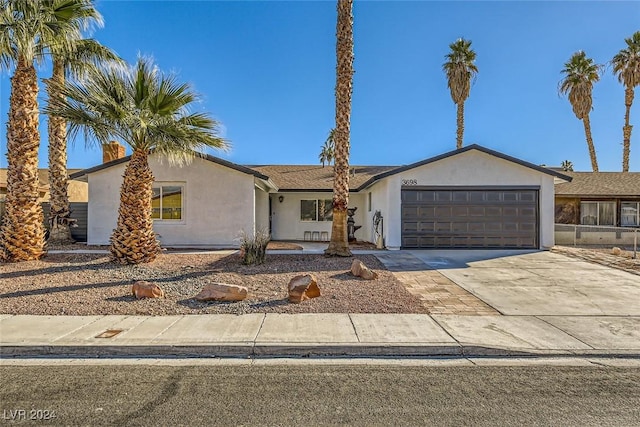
pixel 143 289
pixel 222 292
pixel 360 270
pixel 302 288
pixel 616 251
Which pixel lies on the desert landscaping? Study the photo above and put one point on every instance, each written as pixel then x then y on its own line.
pixel 91 284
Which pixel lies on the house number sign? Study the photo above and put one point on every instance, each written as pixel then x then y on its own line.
pixel 409 182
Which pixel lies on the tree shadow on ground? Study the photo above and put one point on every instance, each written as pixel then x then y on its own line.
pixel 70 288
pixel 297 263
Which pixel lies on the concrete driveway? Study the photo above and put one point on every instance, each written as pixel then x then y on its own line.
pixel 538 283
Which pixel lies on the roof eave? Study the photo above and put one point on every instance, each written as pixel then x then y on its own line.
pixel 460 151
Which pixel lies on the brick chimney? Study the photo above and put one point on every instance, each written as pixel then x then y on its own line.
pixel 112 151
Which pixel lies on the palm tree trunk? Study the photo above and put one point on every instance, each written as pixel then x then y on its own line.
pixel 59 215
pixel 22 230
pixel 626 130
pixel 460 122
pixel 592 150
pixel 134 241
pixel 339 244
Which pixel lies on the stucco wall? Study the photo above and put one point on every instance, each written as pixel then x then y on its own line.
pixel 286 223
pixel 262 210
pixel 597 238
pixel 218 204
pixel 379 202
pixel 471 168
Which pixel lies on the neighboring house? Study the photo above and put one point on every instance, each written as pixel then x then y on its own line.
pixel 78 196
pixel 468 198
pixel 77 190
pixel 599 198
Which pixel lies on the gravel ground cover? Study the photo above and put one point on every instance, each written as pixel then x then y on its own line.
pixel 91 284
pixel 604 256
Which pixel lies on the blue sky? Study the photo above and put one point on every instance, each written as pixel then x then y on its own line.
pixel 266 71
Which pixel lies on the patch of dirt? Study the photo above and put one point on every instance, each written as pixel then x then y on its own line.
pixel 91 284
pixel 604 256
pixel 279 246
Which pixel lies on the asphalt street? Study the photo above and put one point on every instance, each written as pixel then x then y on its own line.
pixel 301 395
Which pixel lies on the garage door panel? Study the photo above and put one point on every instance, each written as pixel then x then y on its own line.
pixel 460 196
pixel 470 218
pixel 459 211
pixel 493 211
pixel 530 196
pixel 475 211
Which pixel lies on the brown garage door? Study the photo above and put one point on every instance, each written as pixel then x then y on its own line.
pixel 470 218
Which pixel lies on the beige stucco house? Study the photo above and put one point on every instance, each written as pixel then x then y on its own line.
pixel 473 197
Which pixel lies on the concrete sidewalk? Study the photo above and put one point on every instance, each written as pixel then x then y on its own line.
pixel 303 335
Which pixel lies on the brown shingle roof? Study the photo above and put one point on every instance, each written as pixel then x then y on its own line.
pixel 600 184
pixel 316 177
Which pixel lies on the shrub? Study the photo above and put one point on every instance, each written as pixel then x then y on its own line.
pixel 253 248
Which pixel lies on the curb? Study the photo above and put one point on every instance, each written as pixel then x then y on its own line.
pixel 249 350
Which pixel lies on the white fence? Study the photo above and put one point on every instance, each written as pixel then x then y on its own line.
pixel 597 235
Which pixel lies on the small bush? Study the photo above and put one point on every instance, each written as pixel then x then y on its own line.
pixel 253 248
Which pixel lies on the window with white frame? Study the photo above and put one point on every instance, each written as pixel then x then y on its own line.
pixel 316 210
pixel 630 214
pixel 167 202
pixel 598 213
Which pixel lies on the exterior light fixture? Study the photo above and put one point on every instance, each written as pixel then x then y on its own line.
pixel 280 199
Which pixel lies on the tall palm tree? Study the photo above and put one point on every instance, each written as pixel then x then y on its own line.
pixel 327 151
pixel 580 75
pixel 147 110
pixel 27 29
pixel 460 69
pixel 339 244
pixel 76 59
pixel 626 65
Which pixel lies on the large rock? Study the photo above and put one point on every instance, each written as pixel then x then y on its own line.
pixel 222 292
pixel 303 287
pixel 142 289
pixel 360 270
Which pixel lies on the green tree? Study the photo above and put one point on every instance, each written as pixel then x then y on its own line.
pixel 460 69
pixel 148 111
pixel 28 29
pixel 580 73
pixel 327 151
pixel 339 243
pixel 626 65
pixel 71 57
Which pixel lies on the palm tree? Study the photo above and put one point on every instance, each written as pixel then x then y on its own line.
pixel 567 166
pixel 460 70
pixel 339 244
pixel 626 65
pixel 327 151
pixel 147 110
pixel 70 58
pixel 580 75
pixel 27 29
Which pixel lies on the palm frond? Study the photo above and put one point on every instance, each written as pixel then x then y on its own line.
pixel 626 63
pixel 580 75
pixel 460 69
pixel 140 106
